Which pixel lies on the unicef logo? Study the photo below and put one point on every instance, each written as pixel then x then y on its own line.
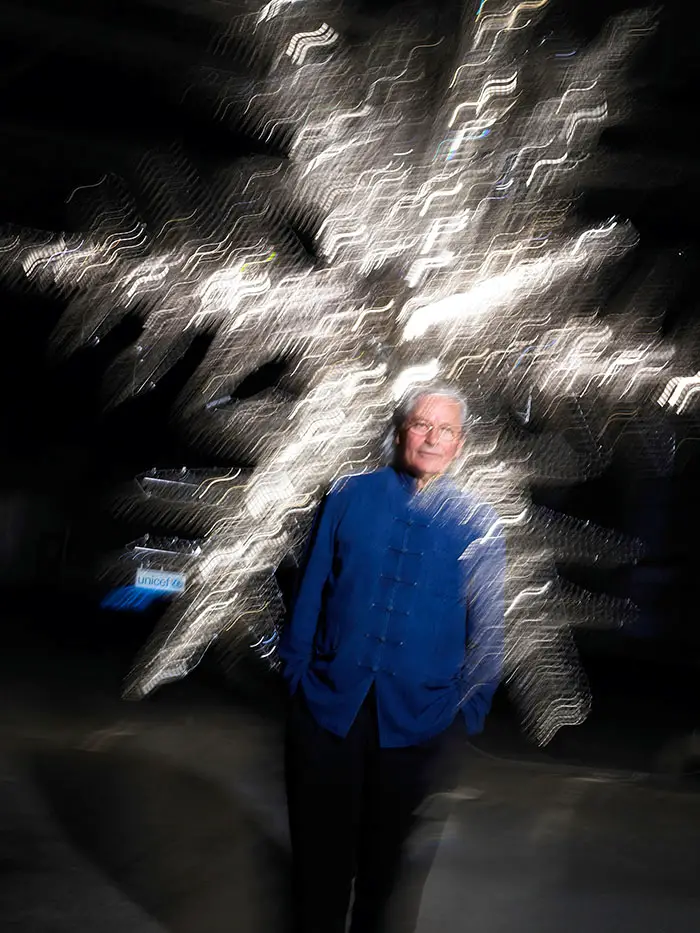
pixel 160 580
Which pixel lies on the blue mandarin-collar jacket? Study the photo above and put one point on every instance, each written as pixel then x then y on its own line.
pixel 402 589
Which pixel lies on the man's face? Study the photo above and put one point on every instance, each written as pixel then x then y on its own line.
pixel 431 437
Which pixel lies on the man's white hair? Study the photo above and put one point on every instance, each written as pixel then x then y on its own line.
pixel 410 399
pixel 408 402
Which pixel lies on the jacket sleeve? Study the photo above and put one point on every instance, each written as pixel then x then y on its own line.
pixel 296 643
pixel 485 628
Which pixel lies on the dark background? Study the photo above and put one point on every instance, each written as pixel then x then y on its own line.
pixel 87 89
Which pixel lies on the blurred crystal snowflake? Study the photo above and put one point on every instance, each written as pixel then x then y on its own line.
pixel 418 224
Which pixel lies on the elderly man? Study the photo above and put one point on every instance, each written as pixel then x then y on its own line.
pixel 395 634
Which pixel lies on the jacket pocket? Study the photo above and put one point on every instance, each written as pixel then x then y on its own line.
pixel 325 655
pixel 322 665
pixel 327 638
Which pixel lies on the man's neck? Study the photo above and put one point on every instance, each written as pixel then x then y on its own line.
pixel 422 482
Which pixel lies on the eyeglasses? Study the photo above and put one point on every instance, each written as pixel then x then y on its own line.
pixel 445 431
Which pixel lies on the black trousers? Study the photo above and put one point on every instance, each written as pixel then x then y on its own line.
pixel 352 806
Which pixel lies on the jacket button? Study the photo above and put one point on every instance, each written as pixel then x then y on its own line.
pixel 375 668
pixel 382 638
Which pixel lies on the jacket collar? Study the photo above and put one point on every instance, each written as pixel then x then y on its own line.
pixel 410 483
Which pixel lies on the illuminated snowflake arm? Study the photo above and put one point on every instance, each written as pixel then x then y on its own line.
pixel 485 626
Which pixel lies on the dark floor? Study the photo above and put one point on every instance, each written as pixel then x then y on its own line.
pixel 169 815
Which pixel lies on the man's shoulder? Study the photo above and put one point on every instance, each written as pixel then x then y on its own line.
pixel 473 510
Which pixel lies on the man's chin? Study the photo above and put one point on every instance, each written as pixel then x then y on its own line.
pixel 431 465
pixel 425 474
